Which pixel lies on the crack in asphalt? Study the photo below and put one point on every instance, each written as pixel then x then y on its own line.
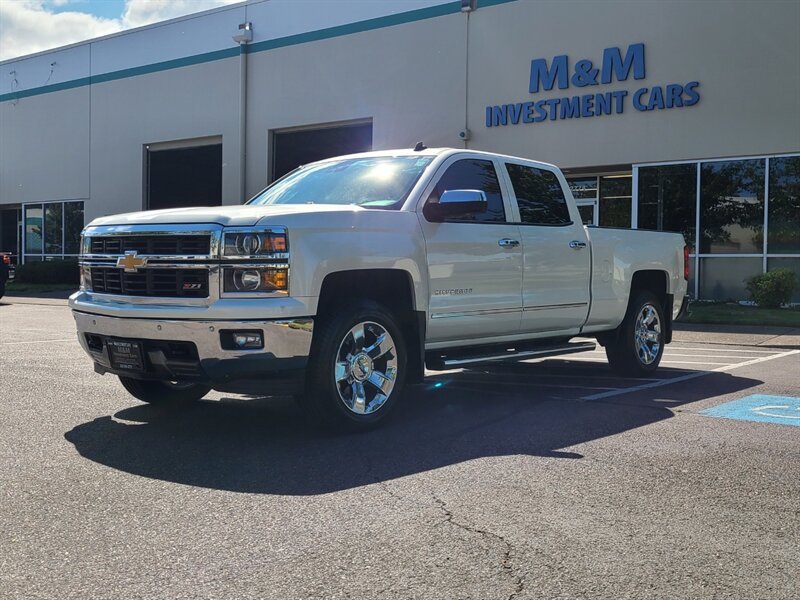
pixel 508 569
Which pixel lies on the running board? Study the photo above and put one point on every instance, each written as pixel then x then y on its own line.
pixel 465 358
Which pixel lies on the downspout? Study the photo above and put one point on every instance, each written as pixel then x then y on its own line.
pixel 244 37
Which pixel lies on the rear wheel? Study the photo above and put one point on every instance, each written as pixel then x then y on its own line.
pixel 164 392
pixel 356 369
pixel 640 344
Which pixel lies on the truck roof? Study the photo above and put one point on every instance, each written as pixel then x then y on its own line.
pixel 436 152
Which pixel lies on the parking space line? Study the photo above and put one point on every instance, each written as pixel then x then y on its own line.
pixel 538 384
pixel 688 376
pixel 546 376
pixel 693 362
pixel 671 354
pixel 724 350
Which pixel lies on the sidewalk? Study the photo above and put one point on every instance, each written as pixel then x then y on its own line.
pixel 47 298
pixel 698 333
pixel 738 335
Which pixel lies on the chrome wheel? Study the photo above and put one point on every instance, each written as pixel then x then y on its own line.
pixel 647 334
pixel 366 368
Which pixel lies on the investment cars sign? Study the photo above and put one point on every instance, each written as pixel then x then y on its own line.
pixel 584 75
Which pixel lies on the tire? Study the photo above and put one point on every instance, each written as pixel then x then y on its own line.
pixel 639 346
pixel 163 392
pixel 357 368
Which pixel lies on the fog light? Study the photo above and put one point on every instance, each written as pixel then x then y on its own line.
pixel 247 339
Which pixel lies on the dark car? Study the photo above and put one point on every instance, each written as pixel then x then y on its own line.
pixel 6 271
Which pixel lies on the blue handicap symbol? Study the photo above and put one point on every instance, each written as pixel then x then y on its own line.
pixel 784 410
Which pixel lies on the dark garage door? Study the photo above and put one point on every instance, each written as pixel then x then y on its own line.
pixel 294 148
pixel 184 177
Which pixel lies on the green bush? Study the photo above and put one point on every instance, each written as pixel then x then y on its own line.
pixel 772 289
pixel 51 271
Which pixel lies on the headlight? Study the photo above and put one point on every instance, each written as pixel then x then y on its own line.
pixel 255 261
pixel 254 243
pixel 255 279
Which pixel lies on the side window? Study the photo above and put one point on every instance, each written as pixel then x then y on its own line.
pixel 539 196
pixel 472 174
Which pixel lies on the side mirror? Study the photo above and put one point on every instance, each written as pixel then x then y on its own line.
pixel 453 203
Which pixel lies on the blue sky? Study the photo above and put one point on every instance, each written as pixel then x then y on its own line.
pixel 109 9
pixel 30 26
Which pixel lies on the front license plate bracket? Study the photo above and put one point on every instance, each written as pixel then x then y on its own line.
pixel 125 355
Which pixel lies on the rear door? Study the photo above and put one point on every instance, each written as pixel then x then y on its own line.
pixel 556 252
pixel 474 259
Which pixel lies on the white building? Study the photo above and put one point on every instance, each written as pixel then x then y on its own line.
pixel 675 115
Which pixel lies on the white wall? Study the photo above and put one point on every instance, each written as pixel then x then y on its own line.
pixel 744 54
pixel 87 142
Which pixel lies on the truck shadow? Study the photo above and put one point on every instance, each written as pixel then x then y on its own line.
pixel 263 445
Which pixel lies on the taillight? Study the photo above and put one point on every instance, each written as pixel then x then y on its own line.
pixel 686 263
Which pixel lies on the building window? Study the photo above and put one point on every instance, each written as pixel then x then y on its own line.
pixel 725 277
pixel 34 229
pixel 52 230
pixel 668 199
pixel 615 201
pixel 584 190
pixel 732 207
pixel 603 200
pixel 784 205
pixel 743 215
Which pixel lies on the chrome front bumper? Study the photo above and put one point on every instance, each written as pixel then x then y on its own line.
pixel 287 344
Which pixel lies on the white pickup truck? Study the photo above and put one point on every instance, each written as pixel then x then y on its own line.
pixel 347 278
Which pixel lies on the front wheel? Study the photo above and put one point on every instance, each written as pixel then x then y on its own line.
pixel 640 344
pixel 164 392
pixel 356 369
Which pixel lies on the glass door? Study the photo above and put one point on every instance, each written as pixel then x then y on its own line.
pixel 588 211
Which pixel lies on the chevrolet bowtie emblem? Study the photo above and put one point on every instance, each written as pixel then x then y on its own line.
pixel 130 262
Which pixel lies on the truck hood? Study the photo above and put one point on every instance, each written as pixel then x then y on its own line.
pixel 229 216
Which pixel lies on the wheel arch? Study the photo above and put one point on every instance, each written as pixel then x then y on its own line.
pixel 392 288
pixel 655 281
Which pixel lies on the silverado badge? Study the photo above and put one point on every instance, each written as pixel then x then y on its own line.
pixel 131 262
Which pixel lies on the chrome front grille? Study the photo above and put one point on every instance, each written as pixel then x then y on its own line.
pixel 161 283
pixel 163 261
pixel 159 245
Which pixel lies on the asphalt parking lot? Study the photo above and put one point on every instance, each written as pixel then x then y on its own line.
pixel 545 479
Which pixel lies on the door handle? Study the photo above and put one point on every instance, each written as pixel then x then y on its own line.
pixel 577 245
pixel 508 242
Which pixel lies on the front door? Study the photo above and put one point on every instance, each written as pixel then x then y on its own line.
pixel 474 259
pixel 557 257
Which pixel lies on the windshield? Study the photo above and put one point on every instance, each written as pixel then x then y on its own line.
pixel 374 182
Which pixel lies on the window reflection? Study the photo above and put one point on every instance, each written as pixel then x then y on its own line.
pixel 73 224
pixel 732 207
pixel 53 228
pixel 584 188
pixel 783 229
pixel 615 201
pixel 33 228
pixel 668 199
pixel 725 278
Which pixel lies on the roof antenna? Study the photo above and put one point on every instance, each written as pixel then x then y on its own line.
pixel 420 147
